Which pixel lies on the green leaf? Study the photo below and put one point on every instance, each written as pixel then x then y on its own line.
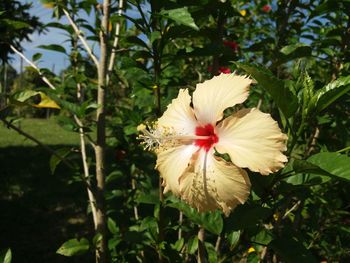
pixel 154 36
pixel 192 245
pixel 263 237
pixel 178 244
pixel 6 256
pixel 74 247
pixel 16 24
pixel 329 93
pixel 112 226
pixel 283 97
pixel 253 257
pixel 335 164
pixel 212 253
pixel 295 51
pixel 291 250
pixel 181 16
pixel 137 41
pixel 53 47
pixel 22 96
pixel 287 50
pixel 302 166
pixel 55 160
pixel 69 106
pixel 211 221
pixel 233 238
pixel 36 56
pixel 150 198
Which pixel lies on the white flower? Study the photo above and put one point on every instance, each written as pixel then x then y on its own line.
pixel 188 142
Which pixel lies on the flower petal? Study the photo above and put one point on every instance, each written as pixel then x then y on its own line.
pixel 210 183
pixel 179 115
pixel 213 96
pixel 172 163
pixel 253 140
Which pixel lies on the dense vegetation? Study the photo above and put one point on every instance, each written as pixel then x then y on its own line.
pixel 298 53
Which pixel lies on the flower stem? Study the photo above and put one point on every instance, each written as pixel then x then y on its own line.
pixel 201 248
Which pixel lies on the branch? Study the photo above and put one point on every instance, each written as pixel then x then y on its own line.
pixel 294 207
pixel 82 39
pixel 181 218
pixel 91 195
pixel 34 66
pixel 115 42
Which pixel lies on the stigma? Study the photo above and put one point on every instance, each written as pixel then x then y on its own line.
pixel 209 137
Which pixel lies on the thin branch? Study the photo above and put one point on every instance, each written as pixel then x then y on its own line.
pixel 133 187
pixel 115 42
pixel 294 207
pixel 34 66
pixel 313 141
pixel 91 195
pixel 82 39
pixel 181 218
pixel 217 244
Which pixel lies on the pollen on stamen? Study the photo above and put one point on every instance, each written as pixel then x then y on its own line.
pixel 150 136
pixel 155 138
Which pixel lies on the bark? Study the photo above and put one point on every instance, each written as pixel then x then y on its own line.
pixel 102 250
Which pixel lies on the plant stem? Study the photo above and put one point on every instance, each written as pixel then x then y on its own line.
pixel 201 248
pixel 91 195
pixel 156 48
pixel 115 43
pixel 51 86
pixel 179 233
pixel 101 250
pixel 81 37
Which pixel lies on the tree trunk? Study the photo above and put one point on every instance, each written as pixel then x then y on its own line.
pixel 102 250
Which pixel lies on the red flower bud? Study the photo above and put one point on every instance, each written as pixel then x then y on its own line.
pixel 231 44
pixel 224 70
pixel 266 8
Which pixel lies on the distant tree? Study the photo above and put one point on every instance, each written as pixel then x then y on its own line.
pixel 16 24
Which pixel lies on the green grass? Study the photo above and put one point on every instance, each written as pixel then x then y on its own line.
pixel 45 130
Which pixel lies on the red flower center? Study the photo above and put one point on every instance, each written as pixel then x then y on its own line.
pixel 208 131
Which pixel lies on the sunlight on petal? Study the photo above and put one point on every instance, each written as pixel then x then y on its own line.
pixel 213 96
pixel 172 163
pixel 253 140
pixel 179 115
pixel 210 183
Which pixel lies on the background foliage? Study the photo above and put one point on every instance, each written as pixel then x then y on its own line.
pixel 297 51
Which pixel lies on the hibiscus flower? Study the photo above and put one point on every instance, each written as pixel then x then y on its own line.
pixel 193 141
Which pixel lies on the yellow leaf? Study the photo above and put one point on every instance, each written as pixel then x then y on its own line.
pixel 48 5
pixel 243 12
pixel 46 102
pixel 251 250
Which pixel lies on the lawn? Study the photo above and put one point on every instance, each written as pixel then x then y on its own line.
pixel 45 130
pixel 40 210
